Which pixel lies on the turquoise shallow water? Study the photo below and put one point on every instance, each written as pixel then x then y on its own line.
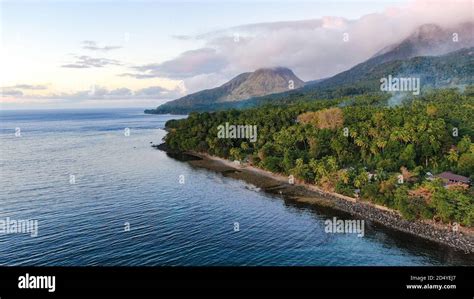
pixel 121 180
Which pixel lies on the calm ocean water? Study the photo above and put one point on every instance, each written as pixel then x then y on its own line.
pixel 121 179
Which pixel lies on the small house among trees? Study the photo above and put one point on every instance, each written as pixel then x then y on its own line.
pixel 450 178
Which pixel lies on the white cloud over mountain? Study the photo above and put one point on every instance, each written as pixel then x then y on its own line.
pixel 313 49
pixel 188 64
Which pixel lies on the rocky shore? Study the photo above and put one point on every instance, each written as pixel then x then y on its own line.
pixel 460 240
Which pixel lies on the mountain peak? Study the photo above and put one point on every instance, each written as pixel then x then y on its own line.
pixel 275 69
pixel 261 82
pixel 431 40
pixel 427 32
pixel 428 40
pixel 264 81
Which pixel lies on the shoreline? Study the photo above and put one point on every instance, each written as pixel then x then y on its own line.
pixel 300 192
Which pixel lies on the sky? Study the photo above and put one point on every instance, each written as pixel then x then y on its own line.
pixel 77 54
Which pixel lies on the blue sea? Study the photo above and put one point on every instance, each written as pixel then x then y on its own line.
pixel 102 196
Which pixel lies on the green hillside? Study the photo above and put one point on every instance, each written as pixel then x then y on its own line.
pixel 453 69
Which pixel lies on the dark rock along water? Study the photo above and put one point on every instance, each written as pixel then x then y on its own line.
pixel 122 179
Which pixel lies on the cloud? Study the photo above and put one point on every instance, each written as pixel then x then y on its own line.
pixel 313 49
pixel 121 92
pixel 188 64
pixel 11 93
pixel 157 91
pixel 18 90
pixel 97 92
pixel 84 61
pixel 28 87
pixel 182 37
pixel 93 46
pixel 137 75
pixel 200 82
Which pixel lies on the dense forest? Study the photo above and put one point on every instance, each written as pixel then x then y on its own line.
pixel 372 145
